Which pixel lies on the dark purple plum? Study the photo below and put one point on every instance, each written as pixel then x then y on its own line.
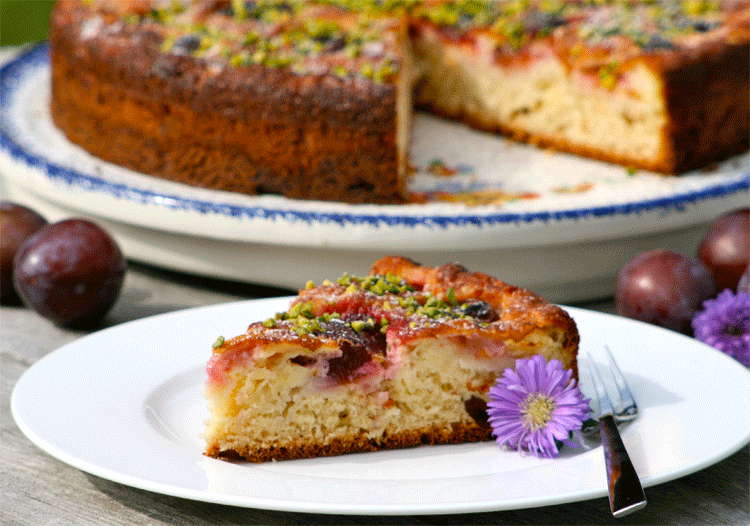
pixel 17 223
pixel 725 249
pixel 744 283
pixel 663 288
pixel 70 272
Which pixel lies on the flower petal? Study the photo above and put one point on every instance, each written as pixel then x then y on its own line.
pixel 536 377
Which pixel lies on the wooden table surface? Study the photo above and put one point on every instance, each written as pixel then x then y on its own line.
pixel 37 489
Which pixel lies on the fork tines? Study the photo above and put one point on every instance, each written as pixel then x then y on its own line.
pixel 628 409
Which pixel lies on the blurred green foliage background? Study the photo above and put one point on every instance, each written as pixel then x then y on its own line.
pixel 23 21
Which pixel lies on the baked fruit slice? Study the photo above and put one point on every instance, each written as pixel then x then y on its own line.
pixel 402 357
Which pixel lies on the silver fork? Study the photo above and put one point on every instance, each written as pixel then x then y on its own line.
pixel 626 409
pixel 625 491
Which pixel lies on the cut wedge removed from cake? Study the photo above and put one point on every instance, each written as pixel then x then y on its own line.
pixel 399 358
pixel 315 99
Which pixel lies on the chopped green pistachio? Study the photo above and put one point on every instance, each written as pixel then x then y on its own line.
pixel 607 76
pixel 366 70
pixel 650 25
pixel 160 15
pixel 699 7
pixel 393 279
pixel 319 28
pixel 278 61
pixel 219 342
pixel 385 72
pixel 301 310
pixel 340 71
pixel 359 325
pixel 238 8
pixel 177 6
pixel 251 38
pixel 239 59
pixel 132 18
pixel 451 295
pixel 378 288
pixel 352 50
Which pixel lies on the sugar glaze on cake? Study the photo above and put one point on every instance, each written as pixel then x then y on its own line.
pixel 402 357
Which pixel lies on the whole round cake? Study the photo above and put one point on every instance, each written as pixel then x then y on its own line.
pixel 314 99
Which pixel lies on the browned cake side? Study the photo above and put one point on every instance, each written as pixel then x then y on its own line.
pixel 707 94
pixel 401 358
pixel 251 130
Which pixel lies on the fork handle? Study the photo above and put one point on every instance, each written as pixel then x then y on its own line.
pixel 625 491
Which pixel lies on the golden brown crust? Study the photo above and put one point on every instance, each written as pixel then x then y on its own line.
pixel 517 313
pixel 707 94
pixel 520 311
pixel 457 434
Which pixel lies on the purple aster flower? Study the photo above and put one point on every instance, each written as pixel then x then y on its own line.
pixel 724 323
pixel 535 406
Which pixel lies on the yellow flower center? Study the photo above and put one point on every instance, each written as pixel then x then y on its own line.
pixel 537 411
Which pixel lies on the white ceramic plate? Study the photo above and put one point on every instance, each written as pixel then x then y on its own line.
pixel 125 404
pixel 578 204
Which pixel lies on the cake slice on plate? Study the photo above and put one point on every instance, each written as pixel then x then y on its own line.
pixel 402 357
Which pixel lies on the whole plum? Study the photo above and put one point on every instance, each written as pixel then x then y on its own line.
pixel 744 284
pixel 17 223
pixel 70 272
pixel 725 248
pixel 663 288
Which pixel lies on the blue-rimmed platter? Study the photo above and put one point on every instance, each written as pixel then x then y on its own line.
pixel 554 222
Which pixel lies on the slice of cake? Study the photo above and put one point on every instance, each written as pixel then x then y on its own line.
pixel 402 357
